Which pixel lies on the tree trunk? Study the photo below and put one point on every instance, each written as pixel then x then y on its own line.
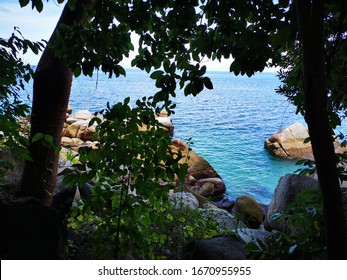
pixel 52 85
pixel 311 20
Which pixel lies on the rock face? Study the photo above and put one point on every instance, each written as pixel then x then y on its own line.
pixel 289 143
pixel 287 189
pixel 249 211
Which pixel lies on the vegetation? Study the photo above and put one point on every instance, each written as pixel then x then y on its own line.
pixel 174 38
pixel 304 239
pixel 13 75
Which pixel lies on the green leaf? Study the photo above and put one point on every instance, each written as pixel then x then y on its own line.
pixel 207 82
pixel 37 137
pixel 156 74
pixel 38 4
pixel 77 71
pixel 24 3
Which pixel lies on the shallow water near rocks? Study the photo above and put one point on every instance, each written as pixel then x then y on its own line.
pixel 228 125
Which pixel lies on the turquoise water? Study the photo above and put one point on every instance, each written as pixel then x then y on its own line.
pixel 228 124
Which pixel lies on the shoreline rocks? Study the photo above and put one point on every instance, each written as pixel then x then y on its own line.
pixel 202 178
pixel 288 187
pixel 289 143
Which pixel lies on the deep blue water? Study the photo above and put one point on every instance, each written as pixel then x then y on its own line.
pixel 228 124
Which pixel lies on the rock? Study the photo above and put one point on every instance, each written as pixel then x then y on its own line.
pixel 86 133
pixel 181 200
pixel 206 189
pixel 216 248
pixel 249 211
pixel 66 141
pixel 287 189
pixel 218 184
pixel 75 127
pixel 289 142
pixel 70 120
pixel 165 121
pixel 253 235
pixel 83 115
pixel 190 180
pixel 225 203
pixel 69 109
pixel 77 142
pixel 222 217
pixel 199 170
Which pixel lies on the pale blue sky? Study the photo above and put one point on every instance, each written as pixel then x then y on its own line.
pixel 36 26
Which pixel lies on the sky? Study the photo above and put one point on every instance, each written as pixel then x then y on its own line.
pixel 36 26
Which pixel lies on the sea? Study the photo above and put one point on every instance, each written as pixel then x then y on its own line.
pixel 227 125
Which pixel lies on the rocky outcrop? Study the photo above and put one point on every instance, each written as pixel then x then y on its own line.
pixel 249 211
pixel 79 131
pixel 202 178
pixel 289 143
pixel 286 191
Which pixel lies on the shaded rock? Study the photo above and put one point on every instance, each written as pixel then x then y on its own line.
pixel 289 142
pixel 253 235
pixel 190 180
pixel 86 133
pixel 206 189
pixel 216 248
pixel 249 211
pixel 222 217
pixel 218 184
pixel 287 189
pixel 225 203
pixel 181 200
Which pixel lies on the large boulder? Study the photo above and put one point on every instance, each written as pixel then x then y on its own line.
pixel 286 191
pixel 249 211
pixel 289 142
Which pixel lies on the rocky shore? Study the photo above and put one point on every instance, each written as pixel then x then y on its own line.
pixel 204 189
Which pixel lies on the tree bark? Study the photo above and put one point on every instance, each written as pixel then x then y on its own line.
pixel 52 86
pixel 311 20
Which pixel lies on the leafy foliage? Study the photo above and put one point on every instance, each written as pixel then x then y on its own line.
pixel 132 170
pixel 305 239
pixel 14 73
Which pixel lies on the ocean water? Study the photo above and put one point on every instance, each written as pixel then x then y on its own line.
pixel 228 125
